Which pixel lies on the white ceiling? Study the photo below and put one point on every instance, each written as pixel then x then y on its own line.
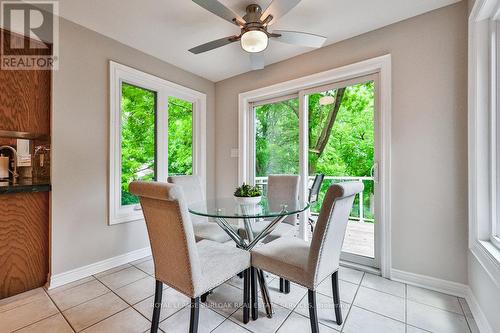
pixel 166 29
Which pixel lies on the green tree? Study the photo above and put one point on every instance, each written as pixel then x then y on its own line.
pixel 341 135
pixel 138 137
pixel 138 133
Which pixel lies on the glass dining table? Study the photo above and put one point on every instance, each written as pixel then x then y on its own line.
pixel 256 221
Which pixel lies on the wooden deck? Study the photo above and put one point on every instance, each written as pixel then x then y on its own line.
pixel 359 239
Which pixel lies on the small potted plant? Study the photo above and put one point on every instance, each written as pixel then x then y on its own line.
pixel 248 194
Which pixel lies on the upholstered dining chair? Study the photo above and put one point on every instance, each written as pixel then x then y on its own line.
pixel 189 267
pixel 307 264
pixel 280 188
pixel 193 192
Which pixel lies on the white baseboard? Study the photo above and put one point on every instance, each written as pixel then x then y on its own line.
pixel 428 282
pixel 482 323
pixel 100 266
pixel 447 287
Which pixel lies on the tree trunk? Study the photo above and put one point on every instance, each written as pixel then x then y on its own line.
pixel 327 129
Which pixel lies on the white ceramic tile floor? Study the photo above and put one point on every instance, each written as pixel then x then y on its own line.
pixel 370 304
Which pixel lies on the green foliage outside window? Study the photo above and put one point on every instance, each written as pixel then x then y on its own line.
pixel 345 148
pixel 138 138
pixel 180 137
pixel 138 141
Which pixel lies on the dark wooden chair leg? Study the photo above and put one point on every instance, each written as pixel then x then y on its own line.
pixel 311 224
pixel 246 296
pixel 157 307
pixel 336 297
pixel 313 312
pixel 195 315
pixel 253 291
pixel 203 298
pixel 284 286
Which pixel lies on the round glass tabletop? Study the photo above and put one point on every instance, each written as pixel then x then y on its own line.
pixel 229 208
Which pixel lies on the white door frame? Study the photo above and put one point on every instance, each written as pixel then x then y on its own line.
pixel 379 65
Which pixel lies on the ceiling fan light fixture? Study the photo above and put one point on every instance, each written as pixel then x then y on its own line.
pixel 326 100
pixel 254 41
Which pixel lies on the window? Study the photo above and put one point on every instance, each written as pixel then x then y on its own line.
pixel 157 129
pixel 180 136
pixel 282 125
pixel 484 135
pixel 276 138
pixel 138 138
pixel 495 56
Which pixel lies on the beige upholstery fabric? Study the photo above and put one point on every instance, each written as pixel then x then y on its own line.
pixel 179 262
pixel 210 231
pixel 283 188
pixel 281 230
pixel 286 257
pixel 280 188
pixel 306 264
pixel 193 192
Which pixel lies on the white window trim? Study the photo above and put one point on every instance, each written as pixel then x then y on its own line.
pixel 381 65
pixel 119 73
pixel 482 110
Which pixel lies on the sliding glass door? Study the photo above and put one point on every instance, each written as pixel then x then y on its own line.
pixel 329 130
pixel 276 138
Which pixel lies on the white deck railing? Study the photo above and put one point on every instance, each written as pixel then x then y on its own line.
pixel 334 179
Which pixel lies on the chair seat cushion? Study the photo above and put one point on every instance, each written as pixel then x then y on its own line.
pixel 210 231
pixel 219 263
pixel 281 230
pixel 286 257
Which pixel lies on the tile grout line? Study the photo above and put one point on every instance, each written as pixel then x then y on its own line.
pixel 352 304
pixel 88 300
pixel 58 309
pixel 100 321
pixel 406 308
pixel 466 319
pixel 435 307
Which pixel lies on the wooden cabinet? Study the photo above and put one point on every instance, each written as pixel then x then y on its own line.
pixel 24 98
pixel 24 217
pixel 24 242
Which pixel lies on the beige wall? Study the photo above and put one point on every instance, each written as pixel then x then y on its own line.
pixel 80 233
pixel 429 133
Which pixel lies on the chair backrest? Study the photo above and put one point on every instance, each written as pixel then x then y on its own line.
pixel 329 232
pixel 170 234
pixel 283 188
pixel 316 186
pixel 193 192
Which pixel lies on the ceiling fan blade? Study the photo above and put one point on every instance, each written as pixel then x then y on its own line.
pixel 220 10
pixel 256 61
pixel 278 8
pixel 300 38
pixel 213 44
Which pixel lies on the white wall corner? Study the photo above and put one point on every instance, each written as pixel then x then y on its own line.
pixel 100 266
pixel 478 314
pixel 446 287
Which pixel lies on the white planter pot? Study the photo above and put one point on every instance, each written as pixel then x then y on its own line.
pixel 248 200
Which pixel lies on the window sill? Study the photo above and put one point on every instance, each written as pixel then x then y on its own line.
pixel 488 256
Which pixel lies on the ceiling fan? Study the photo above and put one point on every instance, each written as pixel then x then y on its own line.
pixel 254 35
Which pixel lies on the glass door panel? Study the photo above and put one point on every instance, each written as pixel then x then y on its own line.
pixel 341 136
pixel 276 139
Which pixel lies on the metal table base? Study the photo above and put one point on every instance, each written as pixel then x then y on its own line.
pixel 252 241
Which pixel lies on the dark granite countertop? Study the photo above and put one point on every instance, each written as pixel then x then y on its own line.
pixel 24 186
